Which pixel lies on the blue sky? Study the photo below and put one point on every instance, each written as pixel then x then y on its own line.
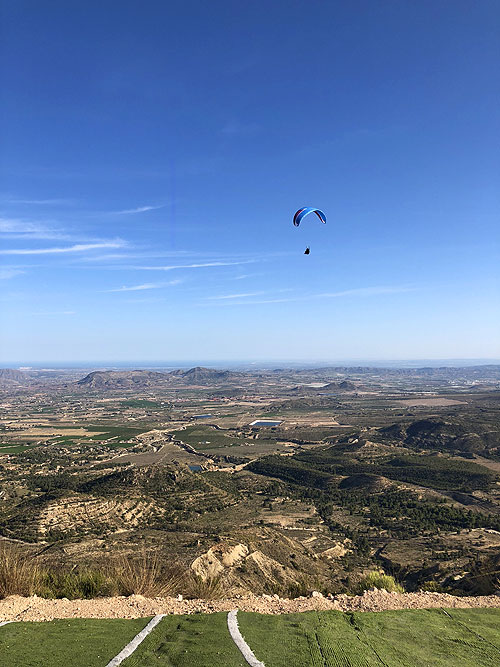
pixel 153 155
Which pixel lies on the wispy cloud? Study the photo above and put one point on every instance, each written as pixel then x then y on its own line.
pixel 254 302
pixel 231 300
pixel 79 247
pixel 367 291
pixel 172 254
pixel 24 229
pixel 235 296
pixel 16 226
pixel 5 274
pixel 202 265
pixel 144 286
pixel 41 202
pixel 139 209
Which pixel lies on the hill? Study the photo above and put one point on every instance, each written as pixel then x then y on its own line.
pixel 457 435
pixel 345 385
pixel 202 375
pixel 122 379
pixel 11 376
pixel 366 482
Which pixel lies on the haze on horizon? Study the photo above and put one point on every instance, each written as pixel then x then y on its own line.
pixel 153 157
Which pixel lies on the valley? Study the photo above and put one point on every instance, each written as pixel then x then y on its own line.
pixel 277 481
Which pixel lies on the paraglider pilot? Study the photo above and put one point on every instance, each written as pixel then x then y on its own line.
pixel 301 213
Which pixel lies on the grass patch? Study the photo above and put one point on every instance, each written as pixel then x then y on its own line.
pixel 13 449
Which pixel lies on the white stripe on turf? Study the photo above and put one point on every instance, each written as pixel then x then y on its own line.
pixel 234 631
pixel 131 646
pixel 5 622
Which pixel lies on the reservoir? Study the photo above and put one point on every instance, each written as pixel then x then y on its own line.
pixel 201 416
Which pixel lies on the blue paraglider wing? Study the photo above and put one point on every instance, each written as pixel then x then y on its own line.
pixel 302 212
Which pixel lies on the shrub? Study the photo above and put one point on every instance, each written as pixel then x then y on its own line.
pixel 432 587
pixel 380 580
pixel 146 575
pixel 19 573
pixel 197 588
pixel 82 584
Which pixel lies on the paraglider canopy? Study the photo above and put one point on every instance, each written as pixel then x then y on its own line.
pixel 302 212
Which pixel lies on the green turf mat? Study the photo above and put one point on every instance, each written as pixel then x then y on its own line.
pixel 408 638
pixel 424 637
pixel 484 622
pixel 311 638
pixel 198 640
pixel 75 642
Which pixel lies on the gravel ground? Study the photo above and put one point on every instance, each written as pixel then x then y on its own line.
pixel 16 608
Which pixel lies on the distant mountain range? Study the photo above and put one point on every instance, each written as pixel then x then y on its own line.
pixel 491 371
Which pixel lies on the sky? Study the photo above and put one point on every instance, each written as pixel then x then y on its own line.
pixel 152 155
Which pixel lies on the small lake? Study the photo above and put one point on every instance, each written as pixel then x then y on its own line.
pixel 201 416
pixel 195 468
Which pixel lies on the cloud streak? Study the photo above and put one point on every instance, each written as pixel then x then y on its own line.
pixel 41 202
pixel 5 274
pixel 235 296
pixel 139 209
pixel 79 247
pixel 367 291
pixel 356 292
pixel 144 286
pixel 201 265
pixel 21 229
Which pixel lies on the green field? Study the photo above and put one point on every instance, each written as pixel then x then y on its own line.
pixel 412 638
pixel 206 439
pixel 13 449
